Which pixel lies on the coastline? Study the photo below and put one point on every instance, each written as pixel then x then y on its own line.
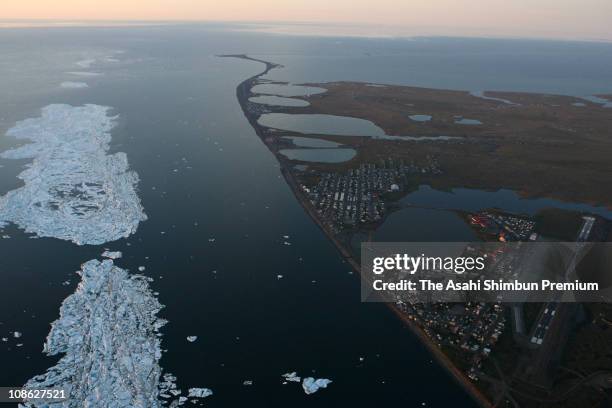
pixel 243 93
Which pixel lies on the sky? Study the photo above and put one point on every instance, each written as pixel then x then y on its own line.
pixel 577 19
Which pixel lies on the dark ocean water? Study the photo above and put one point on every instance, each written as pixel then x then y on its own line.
pixel 205 174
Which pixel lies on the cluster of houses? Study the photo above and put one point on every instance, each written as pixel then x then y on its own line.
pixel 472 328
pixel 346 200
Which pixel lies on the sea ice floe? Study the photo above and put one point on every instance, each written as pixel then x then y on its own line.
pixel 73 85
pixel 106 334
pixel 310 385
pixel 73 189
pixel 167 387
pixel 86 63
pixel 84 73
pixel 191 339
pixel 200 392
pixel 291 377
pixel 112 254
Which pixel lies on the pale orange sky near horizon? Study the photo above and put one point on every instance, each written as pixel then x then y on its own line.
pixel 580 19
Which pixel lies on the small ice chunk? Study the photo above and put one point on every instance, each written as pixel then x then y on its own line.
pixel 191 339
pixel 311 385
pixel 73 85
pixel 86 63
pixel 84 73
pixel 200 392
pixel 291 377
pixel 247 382
pixel 17 334
pixel 112 254
pixel 279 276
pixel 141 268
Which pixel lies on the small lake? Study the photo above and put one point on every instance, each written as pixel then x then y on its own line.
pixel 420 118
pixel 278 101
pixel 321 124
pixel 335 125
pixel 439 223
pixel 481 95
pixel 310 142
pixel 465 121
pixel 419 225
pixel 287 90
pixel 600 101
pixel 474 200
pixel 319 155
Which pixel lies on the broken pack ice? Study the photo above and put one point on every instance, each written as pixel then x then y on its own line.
pixel 107 338
pixel 73 189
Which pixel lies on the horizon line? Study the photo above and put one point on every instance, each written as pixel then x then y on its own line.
pixel 14 23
